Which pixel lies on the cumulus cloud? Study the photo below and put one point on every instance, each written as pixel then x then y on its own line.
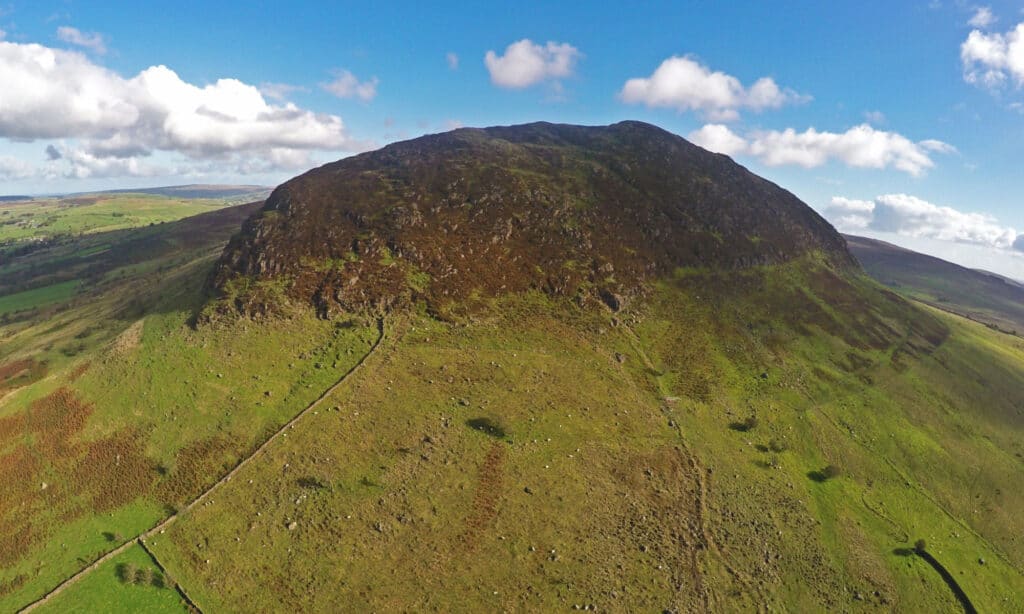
pixel 89 40
pixel 453 60
pixel 720 139
pixel 57 94
pixel 526 63
pixel 989 60
pixel 861 146
pixel 346 85
pixel 684 84
pixel 913 217
pixel 85 165
pixel 982 18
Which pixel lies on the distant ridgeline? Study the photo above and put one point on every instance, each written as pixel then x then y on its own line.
pixel 588 212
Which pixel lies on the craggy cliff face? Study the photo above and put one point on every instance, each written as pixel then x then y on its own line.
pixel 590 212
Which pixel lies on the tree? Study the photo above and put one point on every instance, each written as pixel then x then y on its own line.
pixel 920 546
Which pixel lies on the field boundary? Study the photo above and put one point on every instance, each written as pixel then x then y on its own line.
pixel 162 525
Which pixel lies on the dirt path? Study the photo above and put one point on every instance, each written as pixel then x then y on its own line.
pixel 142 537
pixel 710 545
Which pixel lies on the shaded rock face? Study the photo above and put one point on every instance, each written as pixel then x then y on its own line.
pixel 590 212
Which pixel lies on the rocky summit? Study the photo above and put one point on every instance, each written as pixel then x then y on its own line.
pixel 588 212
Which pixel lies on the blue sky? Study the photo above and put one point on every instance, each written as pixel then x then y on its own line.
pixel 898 120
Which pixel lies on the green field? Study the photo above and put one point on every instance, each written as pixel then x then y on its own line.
pixel 54 217
pixel 149 591
pixel 39 297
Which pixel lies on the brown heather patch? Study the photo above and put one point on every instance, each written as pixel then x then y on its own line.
pixel 18 373
pixel 488 493
pixel 106 473
pixel 10 427
pixel 79 371
pixel 19 499
pixel 193 467
pixel 56 419
pixel 114 471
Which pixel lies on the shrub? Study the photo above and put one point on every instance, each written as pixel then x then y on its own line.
pixel 144 576
pixel 777 445
pixel 832 471
pixel 750 423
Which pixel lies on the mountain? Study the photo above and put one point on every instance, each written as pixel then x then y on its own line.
pixel 576 211
pixel 979 295
pixel 533 368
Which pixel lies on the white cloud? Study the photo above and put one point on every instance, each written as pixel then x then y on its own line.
pixel 88 40
pixel 719 139
pixel 3 34
pixel 849 214
pixel 910 216
pixel 526 63
pixel 937 146
pixel 684 84
pixel 452 124
pixel 453 60
pixel 57 94
pixel 280 91
pixel 982 18
pixel 85 165
pixel 860 147
pixel 990 59
pixel 346 85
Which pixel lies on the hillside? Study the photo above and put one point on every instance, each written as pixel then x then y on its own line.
pixel 979 295
pixel 668 388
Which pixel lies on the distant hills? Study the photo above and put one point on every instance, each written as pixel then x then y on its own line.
pixel 196 190
pixel 986 297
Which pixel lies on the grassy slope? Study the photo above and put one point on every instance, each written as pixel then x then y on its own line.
pixel 412 490
pixel 134 414
pixel 983 297
pixel 622 484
